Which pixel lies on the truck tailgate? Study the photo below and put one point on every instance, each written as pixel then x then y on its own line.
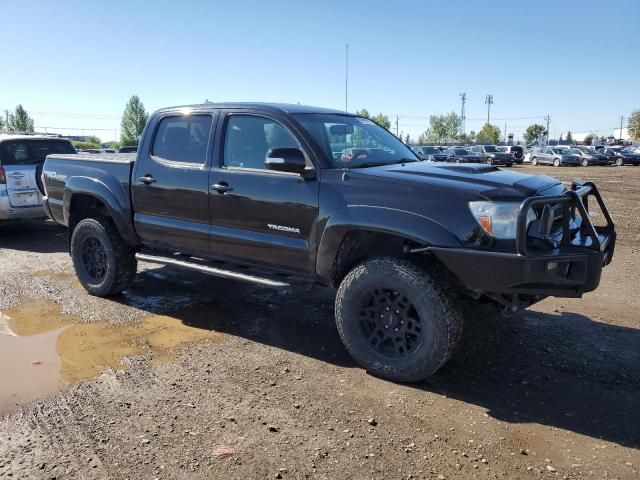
pixel 22 186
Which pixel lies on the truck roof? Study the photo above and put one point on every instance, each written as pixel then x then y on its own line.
pixel 276 107
pixel 25 136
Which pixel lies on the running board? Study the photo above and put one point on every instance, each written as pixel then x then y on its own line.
pixel 218 272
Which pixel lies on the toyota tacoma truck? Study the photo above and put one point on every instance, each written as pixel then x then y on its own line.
pixel 264 193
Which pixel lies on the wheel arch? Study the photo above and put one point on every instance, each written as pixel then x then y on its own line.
pixel 356 233
pixel 85 196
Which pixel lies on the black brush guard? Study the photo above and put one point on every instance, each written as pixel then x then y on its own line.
pixel 559 254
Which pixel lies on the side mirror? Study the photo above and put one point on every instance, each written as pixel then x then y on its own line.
pixel 285 160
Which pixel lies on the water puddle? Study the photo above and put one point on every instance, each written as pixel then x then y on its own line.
pixel 42 350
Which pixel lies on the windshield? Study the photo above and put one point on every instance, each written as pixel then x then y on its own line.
pixel 490 148
pixel 430 150
pixel 352 142
pixel 560 150
pixel 25 152
pixel 573 151
pixel 461 151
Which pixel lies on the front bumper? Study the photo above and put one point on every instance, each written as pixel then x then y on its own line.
pixel 564 265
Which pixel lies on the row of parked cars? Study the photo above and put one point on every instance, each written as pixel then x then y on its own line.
pixel 127 149
pixel 582 155
pixel 507 155
pixel 491 154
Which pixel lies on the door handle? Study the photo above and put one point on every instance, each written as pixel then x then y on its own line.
pixel 222 187
pixel 147 179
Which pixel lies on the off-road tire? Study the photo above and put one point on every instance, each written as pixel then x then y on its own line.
pixel 119 258
pixel 440 319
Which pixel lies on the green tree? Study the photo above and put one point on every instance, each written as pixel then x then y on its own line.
pixel 363 113
pixel 382 120
pixel 569 137
pixel 2 122
pixel 560 139
pixel 488 134
pixel 20 121
pixel 442 128
pixel 133 121
pixel 407 140
pixel 634 125
pixel 533 132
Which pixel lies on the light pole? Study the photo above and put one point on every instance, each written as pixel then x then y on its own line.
pixel 488 100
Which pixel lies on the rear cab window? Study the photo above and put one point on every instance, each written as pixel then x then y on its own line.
pixel 182 139
pixel 31 152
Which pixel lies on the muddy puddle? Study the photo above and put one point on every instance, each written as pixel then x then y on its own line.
pixel 43 350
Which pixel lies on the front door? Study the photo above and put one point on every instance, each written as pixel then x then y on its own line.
pixel 261 216
pixel 170 183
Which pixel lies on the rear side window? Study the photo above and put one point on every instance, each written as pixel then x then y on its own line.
pixel 27 152
pixel 183 138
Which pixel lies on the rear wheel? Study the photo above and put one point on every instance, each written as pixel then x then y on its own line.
pixel 619 162
pixel 534 161
pixel 556 162
pixel 585 162
pixel 395 320
pixel 104 263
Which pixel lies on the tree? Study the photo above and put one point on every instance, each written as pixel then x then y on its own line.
pixel 363 113
pixel 133 121
pixel 533 132
pixel 569 137
pixel 488 134
pixel 442 128
pixel 20 121
pixel 382 120
pixel 2 121
pixel 634 125
pixel 407 140
pixel 560 139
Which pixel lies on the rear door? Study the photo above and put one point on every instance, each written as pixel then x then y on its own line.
pixel 170 182
pixel 261 216
pixel 22 162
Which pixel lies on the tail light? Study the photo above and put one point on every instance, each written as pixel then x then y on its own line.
pixel 3 176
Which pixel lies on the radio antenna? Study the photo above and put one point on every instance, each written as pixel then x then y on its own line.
pixel 346 80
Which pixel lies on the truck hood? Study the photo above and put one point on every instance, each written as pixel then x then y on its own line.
pixel 484 180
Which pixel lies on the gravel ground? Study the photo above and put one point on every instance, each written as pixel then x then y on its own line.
pixel 552 393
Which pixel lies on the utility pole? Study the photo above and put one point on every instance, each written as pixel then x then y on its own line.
pixel 548 120
pixel 463 100
pixel 621 120
pixel 488 100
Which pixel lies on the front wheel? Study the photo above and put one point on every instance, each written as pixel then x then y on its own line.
pixel 534 161
pixel 104 263
pixel 585 163
pixel 619 162
pixel 395 320
pixel 556 163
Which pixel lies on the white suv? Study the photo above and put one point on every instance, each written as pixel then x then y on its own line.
pixel 21 159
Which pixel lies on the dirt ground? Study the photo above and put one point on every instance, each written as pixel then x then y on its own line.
pixel 207 378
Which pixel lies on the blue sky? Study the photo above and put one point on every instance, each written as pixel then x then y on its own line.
pixel 75 63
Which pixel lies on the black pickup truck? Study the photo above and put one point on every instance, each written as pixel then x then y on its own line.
pixel 265 193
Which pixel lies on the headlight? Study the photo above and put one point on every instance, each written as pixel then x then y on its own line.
pixel 499 219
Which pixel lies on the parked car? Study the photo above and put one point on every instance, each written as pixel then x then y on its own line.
pixel 492 155
pixel 622 156
pixel 430 154
pixel 462 155
pixel 589 156
pixel 21 160
pixel 554 156
pixel 517 152
pixel 268 203
pixel 128 149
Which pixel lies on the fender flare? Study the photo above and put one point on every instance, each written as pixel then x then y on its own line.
pixel 116 200
pixel 415 227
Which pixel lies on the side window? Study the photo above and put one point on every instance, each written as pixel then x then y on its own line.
pixel 248 138
pixel 183 138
